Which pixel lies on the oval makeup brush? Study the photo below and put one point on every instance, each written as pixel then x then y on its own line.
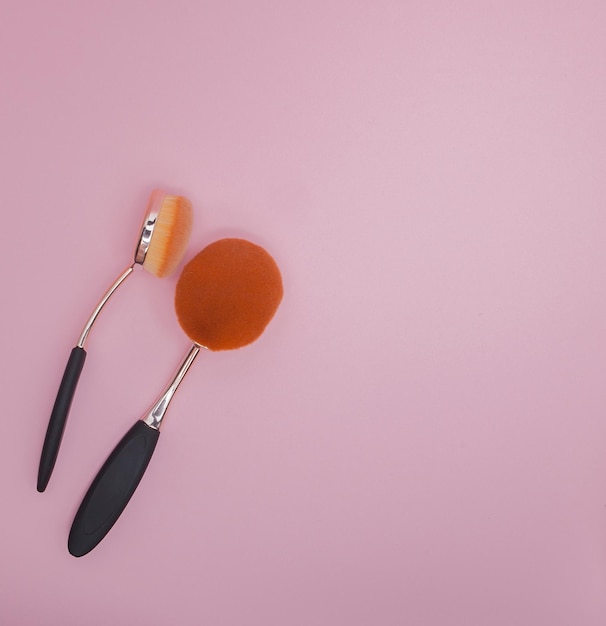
pixel 225 297
pixel 160 248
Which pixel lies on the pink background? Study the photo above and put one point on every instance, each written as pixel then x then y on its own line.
pixel 420 435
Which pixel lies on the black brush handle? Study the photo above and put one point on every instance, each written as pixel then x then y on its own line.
pixel 112 488
pixel 58 418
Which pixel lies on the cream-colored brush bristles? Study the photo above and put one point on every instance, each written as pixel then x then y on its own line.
pixel 170 236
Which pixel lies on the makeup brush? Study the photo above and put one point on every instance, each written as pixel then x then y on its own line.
pixel 225 297
pixel 160 248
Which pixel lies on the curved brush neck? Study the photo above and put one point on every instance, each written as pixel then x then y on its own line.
pixel 108 294
pixel 156 414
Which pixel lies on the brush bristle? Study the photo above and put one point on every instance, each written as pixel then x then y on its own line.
pixel 227 294
pixel 170 236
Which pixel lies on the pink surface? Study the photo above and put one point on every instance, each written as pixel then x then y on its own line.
pixel 420 435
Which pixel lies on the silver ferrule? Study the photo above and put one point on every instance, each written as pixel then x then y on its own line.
pixel 147 228
pixel 102 302
pixel 155 415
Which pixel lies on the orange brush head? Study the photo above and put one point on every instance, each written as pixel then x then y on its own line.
pixel 170 236
pixel 227 294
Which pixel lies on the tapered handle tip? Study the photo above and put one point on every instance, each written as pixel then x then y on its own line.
pixel 58 418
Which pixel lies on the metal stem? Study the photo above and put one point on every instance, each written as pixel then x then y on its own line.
pixel 155 415
pixel 104 299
